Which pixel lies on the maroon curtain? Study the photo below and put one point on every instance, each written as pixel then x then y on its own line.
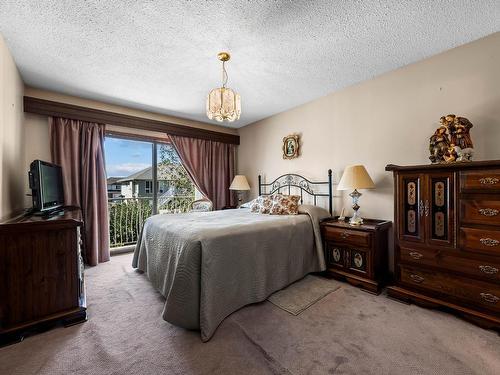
pixel 211 166
pixel 78 147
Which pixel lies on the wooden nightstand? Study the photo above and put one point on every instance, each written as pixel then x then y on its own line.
pixel 357 254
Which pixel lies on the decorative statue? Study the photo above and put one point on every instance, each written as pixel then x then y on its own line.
pixel 438 144
pixel 451 141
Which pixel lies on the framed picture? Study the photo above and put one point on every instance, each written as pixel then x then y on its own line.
pixel 291 145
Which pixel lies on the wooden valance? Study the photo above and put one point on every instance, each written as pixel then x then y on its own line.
pixel 57 109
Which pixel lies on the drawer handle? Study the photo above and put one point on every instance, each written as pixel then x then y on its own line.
pixel 490 242
pixel 344 235
pixel 488 297
pixel 489 270
pixel 416 255
pixel 488 212
pixel 416 278
pixel 488 181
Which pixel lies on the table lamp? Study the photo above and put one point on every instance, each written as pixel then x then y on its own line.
pixel 355 177
pixel 239 184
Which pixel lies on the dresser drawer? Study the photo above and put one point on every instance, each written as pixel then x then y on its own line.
pixel 485 270
pixel 480 241
pixel 347 237
pixel 469 291
pixel 480 181
pixel 475 211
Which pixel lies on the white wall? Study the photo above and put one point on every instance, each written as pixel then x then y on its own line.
pixel 12 133
pixel 388 119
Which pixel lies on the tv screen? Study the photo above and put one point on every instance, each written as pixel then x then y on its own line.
pixel 46 185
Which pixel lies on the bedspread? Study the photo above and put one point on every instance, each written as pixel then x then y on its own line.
pixel 209 264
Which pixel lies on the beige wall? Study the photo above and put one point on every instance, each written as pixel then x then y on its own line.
pixel 12 174
pixel 388 119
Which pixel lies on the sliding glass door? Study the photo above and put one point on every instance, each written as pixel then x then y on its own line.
pixel 144 178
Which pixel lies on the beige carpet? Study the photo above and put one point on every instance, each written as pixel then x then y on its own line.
pixel 346 332
pixel 304 293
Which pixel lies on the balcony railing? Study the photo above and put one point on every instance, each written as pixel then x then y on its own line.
pixel 127 215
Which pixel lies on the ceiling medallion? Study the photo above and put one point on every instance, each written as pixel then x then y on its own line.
pixel 223 104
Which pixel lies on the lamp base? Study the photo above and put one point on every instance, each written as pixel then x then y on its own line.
pixel 356 218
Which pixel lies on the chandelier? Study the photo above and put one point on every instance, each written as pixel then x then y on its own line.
pixel 223 104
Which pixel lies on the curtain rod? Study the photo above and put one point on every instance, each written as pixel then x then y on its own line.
pixel 57 109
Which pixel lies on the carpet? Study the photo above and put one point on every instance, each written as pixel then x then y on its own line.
pixel 346 332
pixel 302 294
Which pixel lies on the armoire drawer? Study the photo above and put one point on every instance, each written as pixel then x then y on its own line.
pixel 485 212
pixel 480 181
pixel 480 241
pixel 470 291
pixel 483 270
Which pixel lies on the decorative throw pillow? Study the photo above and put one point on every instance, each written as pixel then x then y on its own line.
pixel 263 204
pixel 254 205
pixel 285 205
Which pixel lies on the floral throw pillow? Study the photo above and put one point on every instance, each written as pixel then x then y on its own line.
pixel 254 205
pixel 262 204
pixel 285 205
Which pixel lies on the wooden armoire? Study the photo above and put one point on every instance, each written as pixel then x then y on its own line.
pixel 447 238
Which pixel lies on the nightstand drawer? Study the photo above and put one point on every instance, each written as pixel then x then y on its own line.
pixel 472 291
pixel 347 237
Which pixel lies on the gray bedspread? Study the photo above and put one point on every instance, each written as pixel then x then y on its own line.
pixel 209 264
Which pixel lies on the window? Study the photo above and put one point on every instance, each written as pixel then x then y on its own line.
pixel 138 164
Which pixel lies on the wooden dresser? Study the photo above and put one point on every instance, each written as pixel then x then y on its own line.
pixel 447 238
pixel 357 254
pixel 41 273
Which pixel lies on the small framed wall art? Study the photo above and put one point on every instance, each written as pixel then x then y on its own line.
pixel 291 146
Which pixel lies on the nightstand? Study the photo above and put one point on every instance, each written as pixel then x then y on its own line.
pixel 357 254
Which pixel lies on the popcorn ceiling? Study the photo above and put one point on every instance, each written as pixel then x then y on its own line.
pixel 161 55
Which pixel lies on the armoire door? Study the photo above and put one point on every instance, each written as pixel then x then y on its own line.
pixel 411 207
pixel 439 209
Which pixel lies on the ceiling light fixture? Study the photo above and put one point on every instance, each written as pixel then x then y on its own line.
pixel 223 104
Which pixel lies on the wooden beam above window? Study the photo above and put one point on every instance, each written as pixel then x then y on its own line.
pixel 57 109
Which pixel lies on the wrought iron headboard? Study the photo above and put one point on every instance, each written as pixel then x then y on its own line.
pixel 287 181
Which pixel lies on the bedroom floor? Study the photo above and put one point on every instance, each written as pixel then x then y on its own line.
pixel 347 332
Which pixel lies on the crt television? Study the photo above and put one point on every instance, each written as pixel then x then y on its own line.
pixel 46 185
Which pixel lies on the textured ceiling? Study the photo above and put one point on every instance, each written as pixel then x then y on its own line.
pixel 161 55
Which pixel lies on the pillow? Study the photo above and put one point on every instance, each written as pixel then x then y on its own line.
pixel 254 205
pixel 262 204
pixel 285 205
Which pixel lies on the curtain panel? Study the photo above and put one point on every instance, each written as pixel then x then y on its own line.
pixel 78 147
pixel 211 166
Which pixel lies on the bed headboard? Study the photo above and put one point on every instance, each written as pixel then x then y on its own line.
pixel 285 182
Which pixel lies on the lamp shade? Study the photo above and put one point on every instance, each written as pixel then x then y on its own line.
pixel 355 177
pixel 239 183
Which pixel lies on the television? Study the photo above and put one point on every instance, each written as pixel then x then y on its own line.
pixel 45 180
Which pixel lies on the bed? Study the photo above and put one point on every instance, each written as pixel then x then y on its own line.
pixel 209 264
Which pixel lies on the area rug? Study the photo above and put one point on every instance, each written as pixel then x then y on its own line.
pixel 302 294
